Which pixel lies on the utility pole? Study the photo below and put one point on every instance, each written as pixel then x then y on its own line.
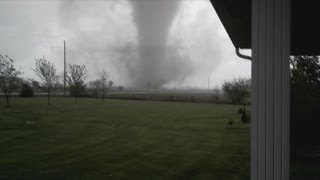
pixel 64 68
pixel 209 84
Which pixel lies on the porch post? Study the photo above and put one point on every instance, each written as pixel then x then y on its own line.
pixel 270 90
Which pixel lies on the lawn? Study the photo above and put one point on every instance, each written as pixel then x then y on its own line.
pixel 121 139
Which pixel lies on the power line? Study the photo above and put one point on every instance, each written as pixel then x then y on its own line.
pixel 64 68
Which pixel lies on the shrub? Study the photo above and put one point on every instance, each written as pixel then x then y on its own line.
pixel 245 115
pixel 230 122
pixel 26 90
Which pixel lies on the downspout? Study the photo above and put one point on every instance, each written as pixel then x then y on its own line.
pixel 241 55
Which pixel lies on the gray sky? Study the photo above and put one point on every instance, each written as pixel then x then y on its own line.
pixel 105 34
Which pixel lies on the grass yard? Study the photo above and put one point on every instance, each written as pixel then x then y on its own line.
pixel 121 139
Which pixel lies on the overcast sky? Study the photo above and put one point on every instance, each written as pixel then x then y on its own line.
pixel 105 34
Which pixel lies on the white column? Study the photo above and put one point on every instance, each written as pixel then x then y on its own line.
pixel 270 90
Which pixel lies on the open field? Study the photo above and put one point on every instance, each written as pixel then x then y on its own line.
pixel 174 95
pixel 121 139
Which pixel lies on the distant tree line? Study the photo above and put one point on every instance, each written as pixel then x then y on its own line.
pixel 49 80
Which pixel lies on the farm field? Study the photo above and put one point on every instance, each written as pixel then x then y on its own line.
pixel 121 139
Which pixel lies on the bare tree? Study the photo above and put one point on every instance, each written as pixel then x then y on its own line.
pixel 148 85
pixel 216 95
pixel 110 85
pixel 105 84
pixel 120 88
pixel 76 76
pixel 9 80
pixel 95 86
pixel 35 85
pixel 47 73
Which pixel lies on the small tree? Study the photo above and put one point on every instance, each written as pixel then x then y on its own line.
pixel 237 90
pixel 216 94
pixel 76 76
pixel 26 90
pixel 105 84
pixel 110 85
pixel 47 73
pixel 9 77
pixel 95 86
pixel 35 85
pixel 148 85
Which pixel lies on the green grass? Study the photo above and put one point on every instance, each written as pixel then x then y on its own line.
pixel 121 139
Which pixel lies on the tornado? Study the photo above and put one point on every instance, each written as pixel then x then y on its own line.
pixel 153 19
